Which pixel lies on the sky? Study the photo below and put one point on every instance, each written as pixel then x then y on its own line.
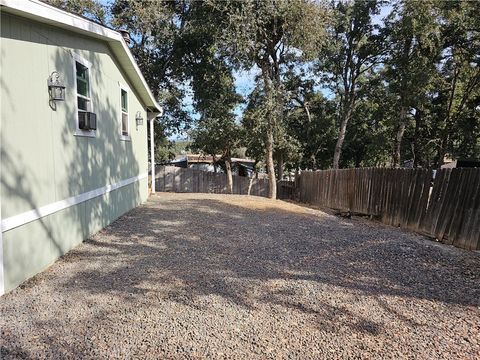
pixel 245 80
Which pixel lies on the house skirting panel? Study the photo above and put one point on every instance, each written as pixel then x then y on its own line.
pixel 31 241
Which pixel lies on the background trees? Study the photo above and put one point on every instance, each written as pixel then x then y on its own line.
pixel 270 34
pixel 413 39
pixel 216 132
pixel 353 48
pixel 339 84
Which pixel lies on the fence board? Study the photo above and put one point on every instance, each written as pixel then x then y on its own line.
pixel 445 212
pixel 174 179
pixel 448 210
pixel 457 215
pixel 470 232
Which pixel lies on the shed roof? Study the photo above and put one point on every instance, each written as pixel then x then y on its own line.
pixel 39 11
pixel 208 159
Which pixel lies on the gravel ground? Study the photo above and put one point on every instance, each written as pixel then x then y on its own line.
pixel 215 276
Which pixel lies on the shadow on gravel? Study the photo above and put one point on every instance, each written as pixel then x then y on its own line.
pixel 232 265
pixel 182 250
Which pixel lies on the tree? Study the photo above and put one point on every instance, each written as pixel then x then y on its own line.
pixel 253 125
pixel 156 30
pixel 412 33
pixel 354 47
pixel 92 9
pixel 307 120
pixel 218 136
pixel 164 150
pixel 368 141
pixel 268 35
pixel 459 71
pixel 214 94
pixel 287 148
pixel 217 131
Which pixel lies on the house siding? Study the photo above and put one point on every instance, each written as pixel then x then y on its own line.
pixel 43 162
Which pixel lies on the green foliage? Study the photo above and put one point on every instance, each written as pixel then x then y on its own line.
pixel 164 150
pixel 215 96
pixel 92 9
pixel 157 29
pixel 254 125
pixel 337 84
pixel 270 35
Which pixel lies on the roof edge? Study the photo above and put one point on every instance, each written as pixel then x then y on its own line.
pixel 42 12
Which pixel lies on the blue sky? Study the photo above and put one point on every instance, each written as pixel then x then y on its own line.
pixel 244 83
pixel 245 80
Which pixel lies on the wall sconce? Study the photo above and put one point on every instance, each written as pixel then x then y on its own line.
pixel 56 88
pixel 139 118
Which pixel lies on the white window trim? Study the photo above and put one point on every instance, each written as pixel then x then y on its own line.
pixel 127 137
pixel 88 65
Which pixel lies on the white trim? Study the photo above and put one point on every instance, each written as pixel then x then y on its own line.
pixel 127 90
pixel 152 154
pixel 84 133
pixel 81 60
pixel 88 65
pixel 2 279
pixel 35 214
pixel 39 11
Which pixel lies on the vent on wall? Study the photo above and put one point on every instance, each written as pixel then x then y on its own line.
pixel 126 36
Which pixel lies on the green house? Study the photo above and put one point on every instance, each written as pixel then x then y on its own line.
pixel 74 149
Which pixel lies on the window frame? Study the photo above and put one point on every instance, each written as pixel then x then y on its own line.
pixel 78 59
pixel 124 137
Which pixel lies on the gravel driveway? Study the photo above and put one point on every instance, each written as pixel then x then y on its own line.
pixel 215 276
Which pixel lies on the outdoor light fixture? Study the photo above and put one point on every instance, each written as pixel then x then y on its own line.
pixel 56 88
pixel 139 118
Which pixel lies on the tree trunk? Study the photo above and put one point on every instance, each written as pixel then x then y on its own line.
pixel 445 134
pixel 399 137
pixel 358 159
pixel 271 122
pixel 417 151
pixel 280 167
pixel 228 168
pixel 251 182
pixel 341 137
pixel 441 152
pixel 404 102
pixel 272 182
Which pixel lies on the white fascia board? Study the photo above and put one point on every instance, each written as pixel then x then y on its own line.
pixel 39 11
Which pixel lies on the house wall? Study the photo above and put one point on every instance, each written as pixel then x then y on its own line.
pixel 43 163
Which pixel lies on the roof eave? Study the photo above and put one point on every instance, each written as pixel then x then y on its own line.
pixel 39 11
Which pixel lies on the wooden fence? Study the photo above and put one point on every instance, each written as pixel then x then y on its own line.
pixel 175 179
pixel 446 207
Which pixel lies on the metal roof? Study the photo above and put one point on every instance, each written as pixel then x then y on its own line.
pixel 208 159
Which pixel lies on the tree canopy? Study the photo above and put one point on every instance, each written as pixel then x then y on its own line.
pixel 338 84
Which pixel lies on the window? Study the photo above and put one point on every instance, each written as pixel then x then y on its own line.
pixel 124 95
pixel 85 119
pixel 83 87
pixel 124 123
